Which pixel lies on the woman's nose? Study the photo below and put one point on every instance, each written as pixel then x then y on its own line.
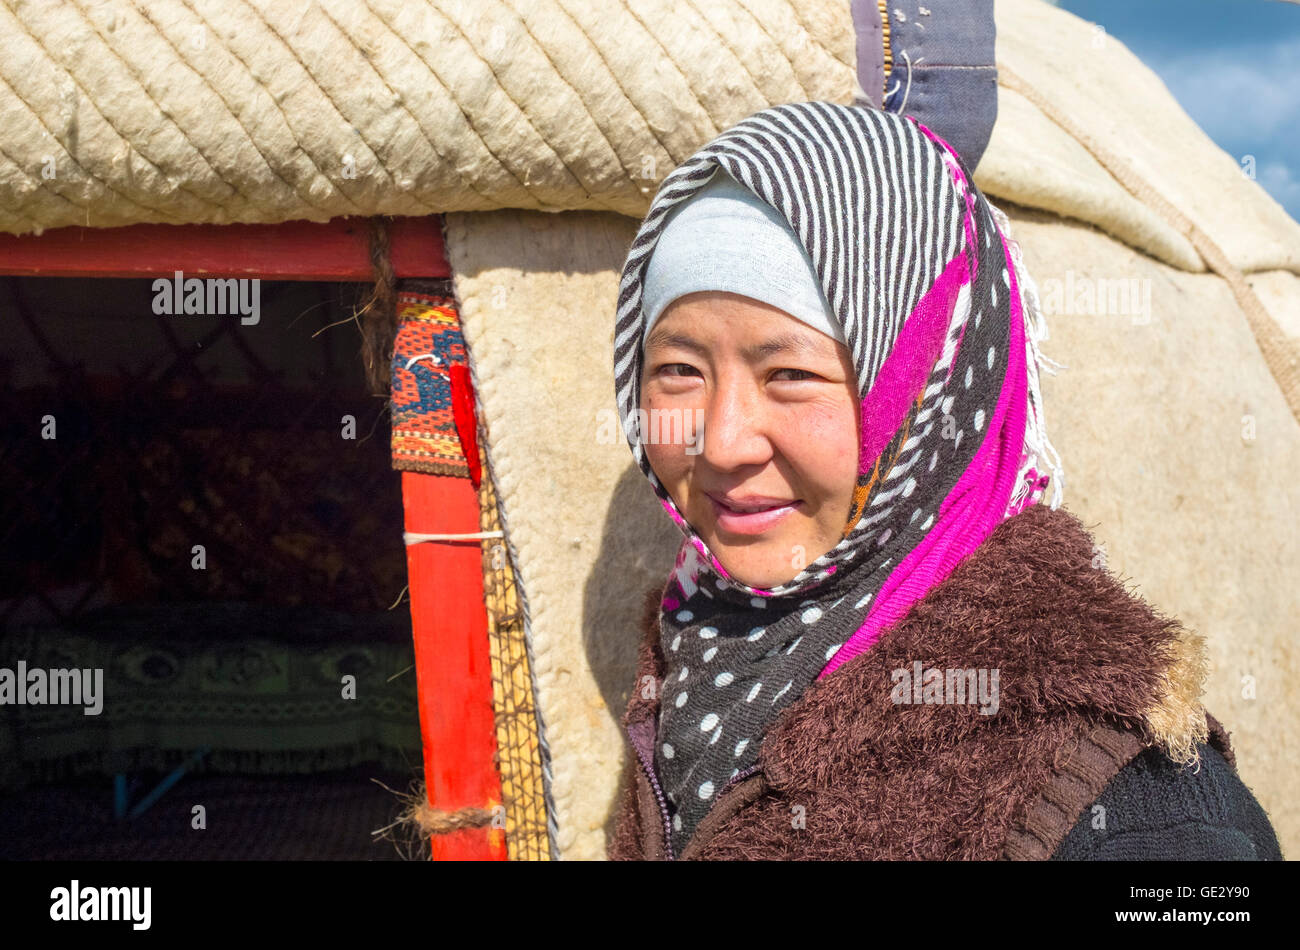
pixel 734 432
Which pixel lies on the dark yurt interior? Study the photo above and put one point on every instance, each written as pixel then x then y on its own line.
pixel 202 507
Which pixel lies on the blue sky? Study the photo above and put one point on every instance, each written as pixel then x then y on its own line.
pixel 1234 67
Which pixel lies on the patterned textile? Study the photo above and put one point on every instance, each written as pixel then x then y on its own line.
pixel 928 293
pixel 434 428
pixel 261 687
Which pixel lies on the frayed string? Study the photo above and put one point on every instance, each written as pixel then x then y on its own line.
pixel 1038 447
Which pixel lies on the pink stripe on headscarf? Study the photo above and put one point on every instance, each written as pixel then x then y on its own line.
pixel 976 505
pixel 908 365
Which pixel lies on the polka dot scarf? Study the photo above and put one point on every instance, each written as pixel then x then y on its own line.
pixel 929 295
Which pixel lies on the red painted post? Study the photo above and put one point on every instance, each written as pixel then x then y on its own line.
pixel 452 661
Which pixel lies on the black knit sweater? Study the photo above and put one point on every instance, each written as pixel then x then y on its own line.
pixel 1157 810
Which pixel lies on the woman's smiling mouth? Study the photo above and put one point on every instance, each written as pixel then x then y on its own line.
pixel 749 514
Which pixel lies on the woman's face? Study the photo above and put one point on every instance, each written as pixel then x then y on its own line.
pixel 768 480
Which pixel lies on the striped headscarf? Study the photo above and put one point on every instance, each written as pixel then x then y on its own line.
pixel 928 292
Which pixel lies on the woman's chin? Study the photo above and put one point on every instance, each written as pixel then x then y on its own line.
pixel 748 565
pixel 760 556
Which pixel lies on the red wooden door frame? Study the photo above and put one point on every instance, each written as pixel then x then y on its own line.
pixel 452 661
pixel 448 615
pixel 337 250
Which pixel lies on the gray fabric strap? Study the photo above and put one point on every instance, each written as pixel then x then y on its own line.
pixel 869 29
pixel 944 71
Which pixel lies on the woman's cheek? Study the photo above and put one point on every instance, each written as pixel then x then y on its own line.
pixel 666 458
pixel 826 443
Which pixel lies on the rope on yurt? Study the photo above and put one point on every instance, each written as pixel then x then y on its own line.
pixel 410 832
pixel 435 821
pixel 378 315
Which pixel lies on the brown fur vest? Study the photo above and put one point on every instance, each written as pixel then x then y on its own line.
pixel 1088 676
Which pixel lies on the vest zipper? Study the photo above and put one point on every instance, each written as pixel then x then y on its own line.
pixel 648 768
pixel 738 777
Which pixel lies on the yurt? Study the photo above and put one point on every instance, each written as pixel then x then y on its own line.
pixel 448 191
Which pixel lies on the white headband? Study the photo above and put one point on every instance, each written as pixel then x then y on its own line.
pixel 726 238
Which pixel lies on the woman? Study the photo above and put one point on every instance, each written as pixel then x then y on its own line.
pixel 876 642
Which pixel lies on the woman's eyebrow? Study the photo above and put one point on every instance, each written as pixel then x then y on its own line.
pixel 660 337
pixel 781 344
pixel 785 343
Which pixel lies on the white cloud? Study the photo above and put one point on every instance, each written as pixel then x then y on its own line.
pixel 1239 93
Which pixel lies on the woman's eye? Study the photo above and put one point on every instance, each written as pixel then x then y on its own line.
pixel 798 374
pixel 678 369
